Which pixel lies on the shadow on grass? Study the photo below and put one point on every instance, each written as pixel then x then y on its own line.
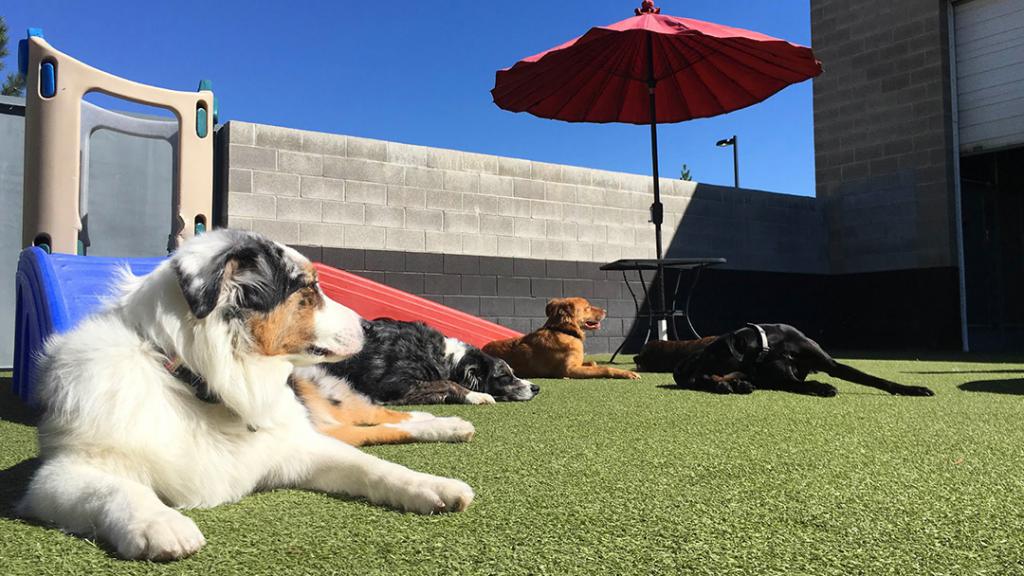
pixel 1013 386
pixel 928 356
pixel 13 485
pixel 13 482
pixel 967 372
pixel 859 392
pixel 12 409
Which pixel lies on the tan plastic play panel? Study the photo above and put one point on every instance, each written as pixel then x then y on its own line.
pixel 53 147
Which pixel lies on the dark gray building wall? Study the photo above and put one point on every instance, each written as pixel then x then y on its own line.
pixel 882 130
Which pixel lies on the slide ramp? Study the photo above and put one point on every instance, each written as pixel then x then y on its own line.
pixel 374 300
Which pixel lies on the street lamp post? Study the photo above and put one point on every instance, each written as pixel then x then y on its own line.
pixel 735 157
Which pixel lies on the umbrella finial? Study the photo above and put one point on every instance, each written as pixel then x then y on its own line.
pixel 647 7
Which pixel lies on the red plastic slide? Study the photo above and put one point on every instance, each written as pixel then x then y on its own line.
pixel 373 300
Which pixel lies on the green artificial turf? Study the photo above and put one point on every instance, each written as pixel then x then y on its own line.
pixel 623 477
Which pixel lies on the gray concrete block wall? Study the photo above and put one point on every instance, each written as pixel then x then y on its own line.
pixel 337 191
pixel 497 237
pixel 883 136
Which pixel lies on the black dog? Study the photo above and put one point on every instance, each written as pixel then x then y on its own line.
pixel 412 363
pixel 772 357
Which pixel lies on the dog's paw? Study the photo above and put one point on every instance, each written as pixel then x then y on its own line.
pixel 166 535
pixel 720 387
pixel 742 387
pixel 434 495
pixel 913 391
pixel 629 374
pixel 480 398
pixel 826 391
pixel 438 429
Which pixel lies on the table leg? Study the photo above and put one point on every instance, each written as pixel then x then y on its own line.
pixel 651 328
pixel 636 304
pixel 670 314
pixel 689 296
pixel 617 350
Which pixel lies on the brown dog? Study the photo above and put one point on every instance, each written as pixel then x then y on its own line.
pixel 664 355
pixel 556 349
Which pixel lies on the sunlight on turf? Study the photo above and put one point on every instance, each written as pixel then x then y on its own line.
pixel 623 477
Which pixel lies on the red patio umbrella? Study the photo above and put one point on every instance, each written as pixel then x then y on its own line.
pixel 650 69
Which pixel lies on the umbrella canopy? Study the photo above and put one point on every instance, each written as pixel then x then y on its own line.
pixel 698 69
pixel 651 69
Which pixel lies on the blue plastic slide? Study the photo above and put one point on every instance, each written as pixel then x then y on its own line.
pixel 54 292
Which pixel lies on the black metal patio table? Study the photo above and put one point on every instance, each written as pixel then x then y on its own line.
pixel 670 313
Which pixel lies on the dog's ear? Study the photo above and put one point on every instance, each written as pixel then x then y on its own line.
pixel 549 310
pixel 201 282
pixel 560 309
pixel 471 377
pixel 741 344
pixel 253 269
pixel 494 366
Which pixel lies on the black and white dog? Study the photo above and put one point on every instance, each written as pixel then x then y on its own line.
pixel 412 363
pixel 177 396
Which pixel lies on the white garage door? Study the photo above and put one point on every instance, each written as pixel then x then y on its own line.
pixel 990 73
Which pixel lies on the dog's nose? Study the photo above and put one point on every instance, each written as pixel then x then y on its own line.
pixel 534 388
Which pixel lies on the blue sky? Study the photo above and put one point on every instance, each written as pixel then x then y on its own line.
pixel 420 71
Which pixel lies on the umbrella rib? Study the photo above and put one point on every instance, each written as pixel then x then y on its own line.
pixel 569 99
pixel 580 70
pixel 624 101
pixel 732 81
pixel 693 46
pixel 608 76
pixel 741 47
pixel 680 90
pixel 530 74
pixel 713 44
pixel 703 82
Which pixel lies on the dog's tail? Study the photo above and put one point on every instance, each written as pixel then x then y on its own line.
pixel 851 374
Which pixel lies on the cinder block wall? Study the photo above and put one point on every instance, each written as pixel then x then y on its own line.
pixel 496 237
pixel 316 189
pixel 882 133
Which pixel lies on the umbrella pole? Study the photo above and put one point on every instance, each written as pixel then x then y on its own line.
pixel 657 209
pixel 657 216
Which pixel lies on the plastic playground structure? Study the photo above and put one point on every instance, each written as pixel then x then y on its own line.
pixel 58 284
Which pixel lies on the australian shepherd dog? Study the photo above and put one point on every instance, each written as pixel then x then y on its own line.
pixel 180 394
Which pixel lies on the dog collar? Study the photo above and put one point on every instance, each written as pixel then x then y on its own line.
pixel 764 342
pixel 200 388
pixel 196 383
pixel 566 331
pixel 746 359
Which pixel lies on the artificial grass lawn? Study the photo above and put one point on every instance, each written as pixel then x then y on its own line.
pixel 622 477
